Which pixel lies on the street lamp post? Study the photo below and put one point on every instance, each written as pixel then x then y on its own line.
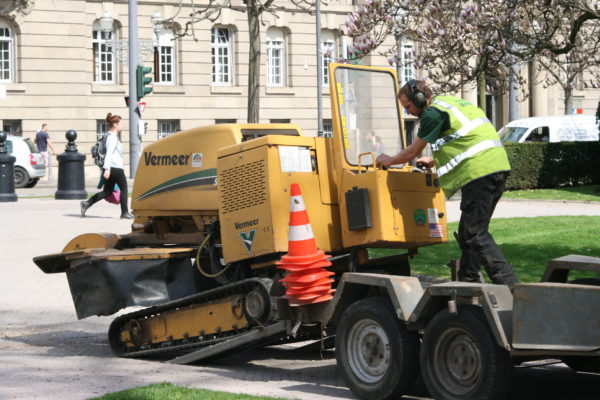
pixel 319 70
pixel 133 45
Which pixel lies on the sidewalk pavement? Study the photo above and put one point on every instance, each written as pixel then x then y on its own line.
pixel 46 353
pixel 46 188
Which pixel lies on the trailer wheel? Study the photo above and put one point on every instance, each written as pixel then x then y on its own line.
pixel 584 364
pixel 460 359
pixel 377 356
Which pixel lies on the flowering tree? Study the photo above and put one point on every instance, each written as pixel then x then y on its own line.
pixel 481 40
pixel 254 9
pixel 18 6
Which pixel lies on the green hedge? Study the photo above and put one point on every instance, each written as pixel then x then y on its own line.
pixel 551 165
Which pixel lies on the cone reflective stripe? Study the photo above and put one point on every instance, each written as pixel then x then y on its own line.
pixel 307 282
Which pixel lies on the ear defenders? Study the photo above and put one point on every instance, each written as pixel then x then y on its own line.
pixel 417 97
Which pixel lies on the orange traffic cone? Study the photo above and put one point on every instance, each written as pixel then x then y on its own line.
pixel 307 281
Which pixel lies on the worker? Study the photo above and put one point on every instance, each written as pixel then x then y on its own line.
pixel 468 155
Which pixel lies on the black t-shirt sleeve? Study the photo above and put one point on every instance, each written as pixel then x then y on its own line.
pixel 432 123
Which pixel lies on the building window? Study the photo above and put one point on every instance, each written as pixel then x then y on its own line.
pixel 407 62
pixel 167 127
pixel 275 58
pixel 104 59
pixel 225 121
pixel 13 127
pixel 6 53
pixel 164 58
pixel 101 128
pixel 221 57
pixel 327 128
pixel 280 121
pixel 328 53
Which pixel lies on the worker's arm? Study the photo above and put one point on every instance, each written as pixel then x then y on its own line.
pixel 412 151
pixel 51 146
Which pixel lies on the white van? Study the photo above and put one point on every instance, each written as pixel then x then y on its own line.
pixel 558 128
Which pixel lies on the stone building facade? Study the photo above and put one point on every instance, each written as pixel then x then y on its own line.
pixel 56 68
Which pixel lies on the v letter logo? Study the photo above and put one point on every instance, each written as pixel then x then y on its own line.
pixel 248 238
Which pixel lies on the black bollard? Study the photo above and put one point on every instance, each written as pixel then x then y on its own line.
pixel 71 176
pixel 7 172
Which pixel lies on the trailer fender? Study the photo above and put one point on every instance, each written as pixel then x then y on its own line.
pixel 404 293
pixel 495 300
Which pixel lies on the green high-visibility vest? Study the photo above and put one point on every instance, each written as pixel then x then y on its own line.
pixel 470 149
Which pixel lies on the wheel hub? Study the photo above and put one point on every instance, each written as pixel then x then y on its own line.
pixel 463 360
pixel 368 350
pixel 458 361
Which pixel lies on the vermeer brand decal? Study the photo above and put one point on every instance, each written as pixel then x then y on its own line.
pixel 161 160
pixel 248 238
pixel 246 224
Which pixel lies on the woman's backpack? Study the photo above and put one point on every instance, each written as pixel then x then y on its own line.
pixel 99 150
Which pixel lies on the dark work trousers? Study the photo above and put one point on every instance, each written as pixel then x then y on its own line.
pixel 117 176
pixel 479 199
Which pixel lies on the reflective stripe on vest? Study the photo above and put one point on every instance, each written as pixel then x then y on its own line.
pixel 478 148
pixel 466 128
pixel 454 110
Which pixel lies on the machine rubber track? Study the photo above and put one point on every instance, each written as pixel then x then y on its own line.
pixel 189 344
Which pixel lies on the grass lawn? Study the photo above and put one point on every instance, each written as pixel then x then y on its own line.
pixel 527 243
pixel 577 193
pixel 164 391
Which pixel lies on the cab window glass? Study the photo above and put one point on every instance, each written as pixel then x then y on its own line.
pixel 369 114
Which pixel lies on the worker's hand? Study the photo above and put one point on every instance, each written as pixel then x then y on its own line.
pixel 426 161
pixel 384 160
pixel 106 173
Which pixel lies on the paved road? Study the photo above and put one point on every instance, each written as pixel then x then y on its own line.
pixel 46 353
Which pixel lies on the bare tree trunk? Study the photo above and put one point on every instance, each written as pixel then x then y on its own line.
pixel 253 13
pixel 568 99
pixel 481 92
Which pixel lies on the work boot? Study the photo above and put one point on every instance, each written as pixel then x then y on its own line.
pixel 84 206
pixel 127 215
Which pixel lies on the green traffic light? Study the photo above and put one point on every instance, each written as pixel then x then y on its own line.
pixel 143 82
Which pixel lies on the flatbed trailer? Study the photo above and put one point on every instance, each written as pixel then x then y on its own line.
pixel 464 337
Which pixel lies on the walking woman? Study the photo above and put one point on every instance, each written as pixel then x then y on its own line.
pixel 112 169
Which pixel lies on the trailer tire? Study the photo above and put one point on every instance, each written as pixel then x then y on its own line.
pixel 584 364
pixel 460 359
pixel 377 356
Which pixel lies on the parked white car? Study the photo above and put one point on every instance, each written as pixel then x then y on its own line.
pixel 556 128
pixel 30 165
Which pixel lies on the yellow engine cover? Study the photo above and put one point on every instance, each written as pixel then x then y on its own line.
pixel 254 180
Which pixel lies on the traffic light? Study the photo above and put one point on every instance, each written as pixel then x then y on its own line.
pixel 143 82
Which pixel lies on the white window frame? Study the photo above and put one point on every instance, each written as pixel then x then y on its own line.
pixel 101 128
pixel 100 49
pixel 221 56
pixel 327 127
pixel 328 53
pixel 407 62
pixel 167 127
pixel 6 53
pixel 276 58
pixel 165 59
